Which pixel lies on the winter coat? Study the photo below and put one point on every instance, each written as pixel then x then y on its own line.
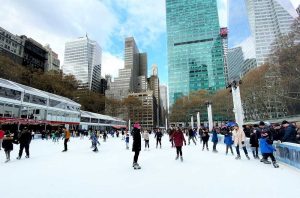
pixel 67 134
pixel 136 135
pixel 191 133
pixel 214 137
pixel 1 134
pixel 127 139
pixel 178 138
pixel 7 143
pixel 228 139
pixel 265 147
pixel 238 137
pixel 158 135
pixel 25 137
pixel 290 134
pixel 205 136
pixel 253 139
pixel 146 136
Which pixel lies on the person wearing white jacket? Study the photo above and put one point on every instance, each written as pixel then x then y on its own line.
pixel 239 137
pixel 146 138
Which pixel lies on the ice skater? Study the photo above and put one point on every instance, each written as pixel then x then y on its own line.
pixel 67 136
pixel 254 142
pixel 267 149
pixel 178 139
pixel 24 140
pixel 146 139
pixel 228 141
pixel 214 140
pixel 136 145
pixel 239 141
pixel 7 145
pixel 205 138
pixel 158 136
pixel 95 141
pixel 192 135
pixel 127 140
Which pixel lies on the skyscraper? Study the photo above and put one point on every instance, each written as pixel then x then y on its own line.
pixel 235 63
pixel 133 78
pixel 268 20
pixel 52 63
pixel 195 54
pixel 83 60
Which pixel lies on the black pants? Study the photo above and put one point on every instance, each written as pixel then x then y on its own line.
pixel 158 141
pixel 215 146
pixel 238 150
pixel 266 155
pixel 205 143
pixel 179 150
pixel 22 146
pixel 136 156
pixel 229 147
pixel 255 151
pixel 146 143
pixel 66 144
pixel 7 153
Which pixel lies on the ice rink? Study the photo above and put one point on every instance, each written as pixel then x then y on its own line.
pixel 49 173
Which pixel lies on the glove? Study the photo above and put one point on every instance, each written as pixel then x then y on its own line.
pixel 243 142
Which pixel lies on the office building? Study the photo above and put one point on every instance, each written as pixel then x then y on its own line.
pixel 268 19
pixel 52 63
pixel 224 37
pixel 11 46
pixel 195 48
pixel 133 77
pixel 235 63
pixel 83 60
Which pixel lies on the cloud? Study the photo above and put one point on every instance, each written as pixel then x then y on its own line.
pixel 223 12
pixel 111 64
pixel 56 21
pixel 248 47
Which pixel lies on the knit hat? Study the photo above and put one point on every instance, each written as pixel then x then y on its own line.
pixel 137 125
pixel 284 122
pixel 261 123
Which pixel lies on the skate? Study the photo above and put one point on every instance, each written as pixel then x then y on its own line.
pixel 215 151
pixel 95 150
pixel 7 160
pixel 18 158
pixel 207 149
pixel 248 157
pixel 202 149
pixel 136 166
pixel 64 151
pixel 265 161
pixel 238 157
pixel 177 157
pixel 27 156
pixel 181 159
pixel 275 164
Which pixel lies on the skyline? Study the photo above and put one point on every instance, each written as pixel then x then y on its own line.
pixel 108 22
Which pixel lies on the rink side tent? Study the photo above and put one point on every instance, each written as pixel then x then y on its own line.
pixel 20 104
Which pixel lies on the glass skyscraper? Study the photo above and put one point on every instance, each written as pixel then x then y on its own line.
pixel 195 50
pixel 268 19
pixel 83 60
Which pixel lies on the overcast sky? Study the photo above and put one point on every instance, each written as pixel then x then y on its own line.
pixel 106 21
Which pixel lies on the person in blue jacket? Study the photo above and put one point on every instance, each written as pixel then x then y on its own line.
pixel 215 140
pixel 228 141
pixel 267 149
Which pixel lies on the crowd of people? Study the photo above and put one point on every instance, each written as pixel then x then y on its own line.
pixel 261 137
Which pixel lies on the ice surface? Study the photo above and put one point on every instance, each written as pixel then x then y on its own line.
pixel 49 173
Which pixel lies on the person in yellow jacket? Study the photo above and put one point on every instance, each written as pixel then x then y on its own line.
pixel 67 137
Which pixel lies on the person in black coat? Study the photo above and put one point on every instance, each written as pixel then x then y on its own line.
pixel 254 142
pixel 290 132
pixel 136 145
pixel 7 145
pixel 24 140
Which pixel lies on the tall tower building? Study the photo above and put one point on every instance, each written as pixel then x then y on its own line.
pixel 235 63
pixel 133 78
pixel 268 20
pixel 83 60
pixel 195 50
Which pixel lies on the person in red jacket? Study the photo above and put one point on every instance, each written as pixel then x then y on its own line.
pixel 178 139
pixel 1 137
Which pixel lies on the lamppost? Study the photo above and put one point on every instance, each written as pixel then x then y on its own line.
pixel 237 102
pixel 209 113
pixel 192 120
